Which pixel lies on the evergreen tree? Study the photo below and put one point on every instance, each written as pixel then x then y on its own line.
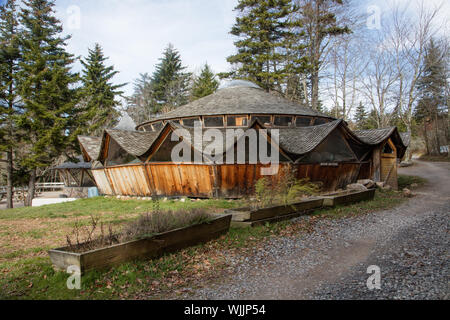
pixel 46 86
pixel 205 84
pixel 361 117
pixel 372 120
pixel 169 81
pixel 142 104
pixel 9 61
pixel 432 86
pixel 263 29
pixel 99 94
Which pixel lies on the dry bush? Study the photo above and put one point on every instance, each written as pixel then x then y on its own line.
pixel 153 223
pixel 83 238
pixel 284 191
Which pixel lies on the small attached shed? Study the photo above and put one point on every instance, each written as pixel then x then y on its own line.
pixel 76 174
pixel 389 149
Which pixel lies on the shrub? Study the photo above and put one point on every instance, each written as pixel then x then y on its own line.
pixel 153 223
pixel 284 191
pixel 83 238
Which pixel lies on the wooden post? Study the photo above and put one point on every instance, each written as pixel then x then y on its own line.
pixel 376 164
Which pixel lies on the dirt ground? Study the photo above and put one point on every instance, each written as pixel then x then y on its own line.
pixel 409 243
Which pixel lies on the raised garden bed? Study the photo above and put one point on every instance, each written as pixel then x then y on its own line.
pixel 250 218
pixel 346 198
pixel 244 218
pixel 152 247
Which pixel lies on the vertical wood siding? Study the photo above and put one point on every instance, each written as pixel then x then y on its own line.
pixel 102 182
pixel 129 180
pixel 181 180
pixel 207 181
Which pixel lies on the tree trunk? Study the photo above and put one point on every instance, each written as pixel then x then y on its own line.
pixel 9 180
pixel 425 135
pixel 408 157
pixel 31 189
pixel 437 151
pixel 315 90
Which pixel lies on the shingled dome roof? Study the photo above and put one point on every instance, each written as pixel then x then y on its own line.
pixel 239 98
pixel 239 84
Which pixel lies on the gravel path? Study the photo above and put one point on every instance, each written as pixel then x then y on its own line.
pixel 409 244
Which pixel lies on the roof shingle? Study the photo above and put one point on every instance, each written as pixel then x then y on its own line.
pixel 376 136
pixel 300 141
pixel 91 146
pixel 239 101
pixel 136 143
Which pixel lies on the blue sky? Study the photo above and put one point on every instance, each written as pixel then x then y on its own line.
pixel 134 33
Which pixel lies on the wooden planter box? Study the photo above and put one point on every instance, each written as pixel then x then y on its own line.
pixel 148 248
pixel 348 198
pixel 246 218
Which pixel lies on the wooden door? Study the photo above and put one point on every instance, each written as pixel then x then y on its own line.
pixel 389 165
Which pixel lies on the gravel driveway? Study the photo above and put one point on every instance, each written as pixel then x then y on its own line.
pixel 409 244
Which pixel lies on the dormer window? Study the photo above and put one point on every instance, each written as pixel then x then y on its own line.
pixel 283 121
pixel 237 121
pixel 213 122
pixel 190 122
pixel 303 122
pixel 265 120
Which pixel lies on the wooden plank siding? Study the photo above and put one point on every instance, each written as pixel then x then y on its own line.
pixel 169 179
pixel 389 166
pixel 208 181
pixel 333 177
pixel 129 180
pixel 102 182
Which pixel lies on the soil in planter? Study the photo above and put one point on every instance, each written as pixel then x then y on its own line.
pixel 147 225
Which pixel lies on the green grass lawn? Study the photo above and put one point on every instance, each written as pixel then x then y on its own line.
pixel 408 181
pixel 111 206
pixel 26 273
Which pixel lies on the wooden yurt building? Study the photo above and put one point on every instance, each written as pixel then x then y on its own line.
pixel 141 162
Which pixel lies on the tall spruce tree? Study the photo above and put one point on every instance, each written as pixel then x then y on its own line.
pixel 170 82
pixel 46 86
pixel 141 105
pixel 99 95
pixel 9 67
pixel 205 84
pixel 432 86
pixel 262 28
pixel 361 117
